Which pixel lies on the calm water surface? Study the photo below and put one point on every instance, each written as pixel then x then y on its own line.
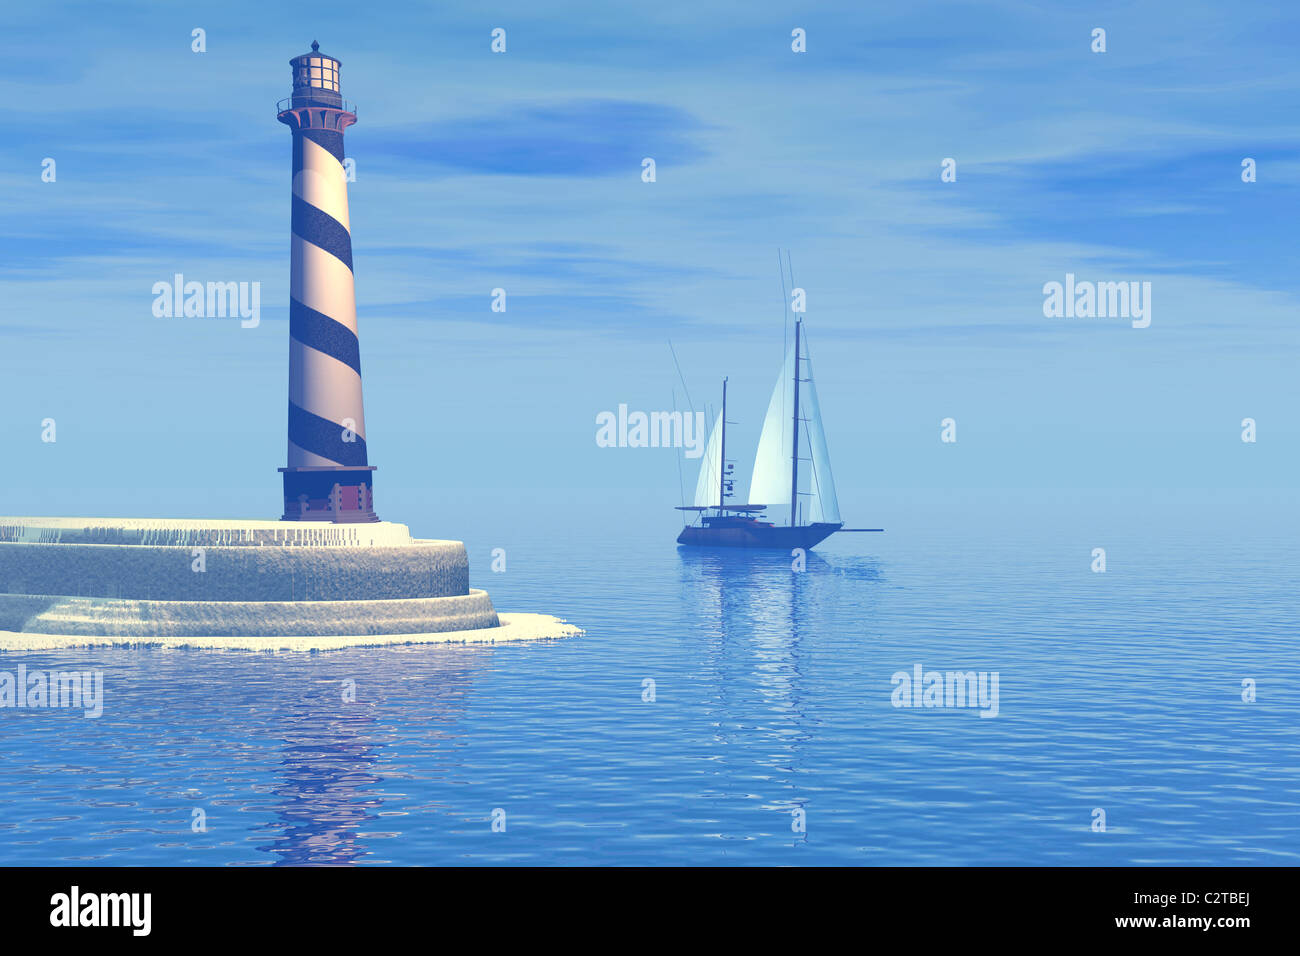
pixel 1120 691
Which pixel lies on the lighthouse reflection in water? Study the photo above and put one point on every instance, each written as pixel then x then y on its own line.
pixel 336 772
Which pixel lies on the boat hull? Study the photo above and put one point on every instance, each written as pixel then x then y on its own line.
pixel 757 535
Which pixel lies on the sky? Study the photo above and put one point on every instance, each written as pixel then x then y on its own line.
pixel 522 170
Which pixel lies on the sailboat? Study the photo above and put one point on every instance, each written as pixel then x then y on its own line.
pixel 792 434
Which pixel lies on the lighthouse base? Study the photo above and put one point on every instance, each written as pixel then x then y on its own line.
pixel 268 585
pixel 340 495
pixel 513 627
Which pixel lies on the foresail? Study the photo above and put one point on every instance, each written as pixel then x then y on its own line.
pixel 770 484
pixel 820 504
pixel 708 485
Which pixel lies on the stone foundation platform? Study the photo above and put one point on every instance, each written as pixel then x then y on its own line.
pixel 214 583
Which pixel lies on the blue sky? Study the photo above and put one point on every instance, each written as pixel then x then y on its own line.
pixel 477 170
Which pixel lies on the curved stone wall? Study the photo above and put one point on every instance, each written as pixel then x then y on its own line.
pixel 115 577
pixel 258 573
pixel 192 532
pixel 107 617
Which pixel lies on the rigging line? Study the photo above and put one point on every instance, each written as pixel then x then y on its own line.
pixel 785 305
pixel 794 452
pixel 785 335
pixel 681 487
pixel 706 467
pixel 681 376
pixel 690 404
pixel 715 478
pixel 816 481
pixel 812 456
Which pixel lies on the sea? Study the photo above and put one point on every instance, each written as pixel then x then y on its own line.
pixel 729 707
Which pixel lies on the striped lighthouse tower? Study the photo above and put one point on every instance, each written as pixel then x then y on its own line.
pixel 328 477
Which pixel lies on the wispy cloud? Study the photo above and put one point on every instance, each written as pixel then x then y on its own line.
pixel 575 138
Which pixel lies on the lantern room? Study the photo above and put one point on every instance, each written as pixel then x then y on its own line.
pixel 316 79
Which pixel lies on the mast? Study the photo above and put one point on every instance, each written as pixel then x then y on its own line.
pixel 722 454
pixel 794 445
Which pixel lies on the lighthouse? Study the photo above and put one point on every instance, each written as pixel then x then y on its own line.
pixel 329 574
pixel 328 477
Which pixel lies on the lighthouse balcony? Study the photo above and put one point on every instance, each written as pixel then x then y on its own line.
pixel 316 111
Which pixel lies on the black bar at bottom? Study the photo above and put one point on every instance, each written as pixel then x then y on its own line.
pixel 962 907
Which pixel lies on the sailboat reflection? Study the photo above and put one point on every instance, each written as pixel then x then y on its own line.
pixel 764 621
pixel 757 620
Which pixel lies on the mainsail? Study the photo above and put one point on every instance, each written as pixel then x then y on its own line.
pixel 708 487
pixel 771 484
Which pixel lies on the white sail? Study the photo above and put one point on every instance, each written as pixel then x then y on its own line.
pixel 708 485
pixel 821 503
pixel 770 484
